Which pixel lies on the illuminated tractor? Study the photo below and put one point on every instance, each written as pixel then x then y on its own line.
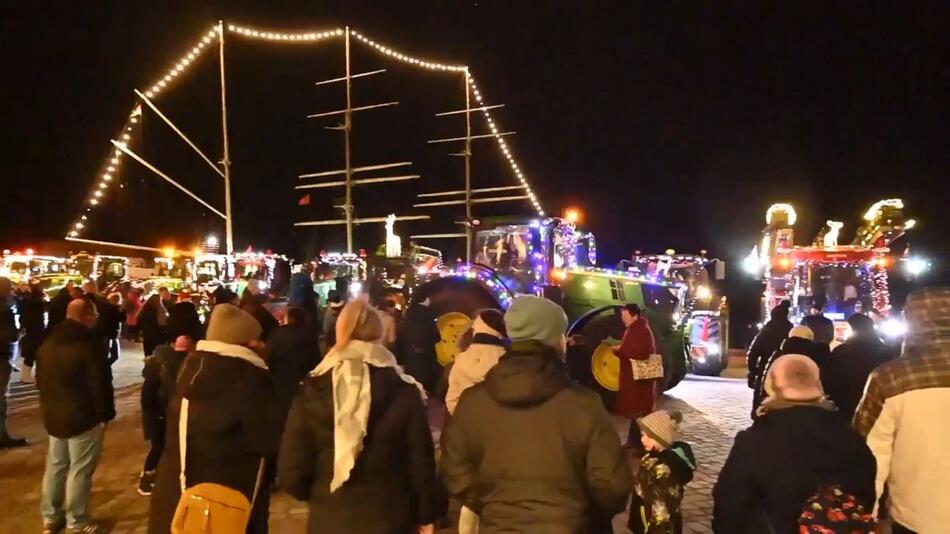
pixel 101 268
pixel 843 279
pixel 396 277
pixel 551 258
pixel 21 267
pixel 704 314
pixel 340 272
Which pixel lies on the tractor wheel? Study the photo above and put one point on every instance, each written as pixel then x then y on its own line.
pixel 591 361
pixel 454 301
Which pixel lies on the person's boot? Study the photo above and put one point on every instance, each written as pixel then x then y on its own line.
pixel 146 483
pixel 26 375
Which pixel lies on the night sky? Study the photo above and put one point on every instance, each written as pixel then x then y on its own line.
pixel 672 125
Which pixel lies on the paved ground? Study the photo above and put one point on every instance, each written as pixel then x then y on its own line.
pixel 714 410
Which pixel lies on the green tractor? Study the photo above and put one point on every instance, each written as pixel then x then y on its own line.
pixel 551 258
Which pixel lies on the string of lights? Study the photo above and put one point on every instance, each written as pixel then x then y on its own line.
pixel 109 170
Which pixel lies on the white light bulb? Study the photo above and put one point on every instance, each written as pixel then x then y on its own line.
pixel 98 193
pixel 83 217
pixel 103 185
pixel 93 201
pixel 73 233
pixel 79 226
pixel 114 161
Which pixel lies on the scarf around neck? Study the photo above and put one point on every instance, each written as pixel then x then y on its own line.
pixel 772 404
pixel 351 399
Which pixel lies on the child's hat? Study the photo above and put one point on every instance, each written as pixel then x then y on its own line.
pixel 661 425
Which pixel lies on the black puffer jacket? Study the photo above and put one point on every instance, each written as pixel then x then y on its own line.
pixel 183 320
pixel 780 461
pixel 393 487
pixel 767 341
pixel 531 451
pixel 233 421
pixel 75 383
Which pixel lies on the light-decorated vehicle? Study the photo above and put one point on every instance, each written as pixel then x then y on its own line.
pixel 704 314
pixel 21 267
pixel 104 269
pixel 843 279
pixel 552 258
pixel 340 272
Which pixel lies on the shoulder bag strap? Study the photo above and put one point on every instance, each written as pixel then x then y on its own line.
pixel 257 484
pixel 182 439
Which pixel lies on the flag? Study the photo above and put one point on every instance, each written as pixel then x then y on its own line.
pixel 304 200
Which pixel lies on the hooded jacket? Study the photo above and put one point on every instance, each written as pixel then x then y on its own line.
pixel 531 451
pixel 233 422
pixel 904 416
pixel 471 366
pixel 783 459
pixel 75 383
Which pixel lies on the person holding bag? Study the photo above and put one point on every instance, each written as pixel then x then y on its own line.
pixel 640 369
pixel 223 418
pixel 357 444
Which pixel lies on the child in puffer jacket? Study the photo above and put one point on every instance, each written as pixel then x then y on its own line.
pixel 665 469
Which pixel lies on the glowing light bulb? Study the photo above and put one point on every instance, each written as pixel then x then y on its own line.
pixel 93 201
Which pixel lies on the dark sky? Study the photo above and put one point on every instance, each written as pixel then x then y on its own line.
pixel 671 124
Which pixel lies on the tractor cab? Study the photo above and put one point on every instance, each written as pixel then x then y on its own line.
pixel 340 272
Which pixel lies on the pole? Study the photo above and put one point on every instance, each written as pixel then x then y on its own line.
pixel 226 159
pixel 468 170
pixel 347 126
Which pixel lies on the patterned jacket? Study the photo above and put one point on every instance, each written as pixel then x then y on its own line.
pixel 903 416
pixel 658 490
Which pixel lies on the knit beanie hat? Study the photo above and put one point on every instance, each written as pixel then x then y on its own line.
pixel 491 322
pixel 230 324
pixel 803 332
pixel 661 425
pixel 535 318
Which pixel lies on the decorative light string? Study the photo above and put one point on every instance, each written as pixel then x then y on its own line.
pixel 110 168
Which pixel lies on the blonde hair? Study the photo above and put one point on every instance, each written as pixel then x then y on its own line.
pixel 358 320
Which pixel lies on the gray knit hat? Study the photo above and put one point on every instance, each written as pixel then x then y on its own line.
pixel 230 324
pixel 661 425
pixel 535 318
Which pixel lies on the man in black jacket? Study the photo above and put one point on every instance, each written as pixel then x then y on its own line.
pixel 767 341
pixel 77 402
pixel 8 336
pixel 528 450
pixel 846 372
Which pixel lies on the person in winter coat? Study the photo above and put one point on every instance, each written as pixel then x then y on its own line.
pixel 160 373
pixel 472 364
pixel 233 420
pixel 665 469
pixel 823 327
pixel 797 447
pixel 799 341
pixel 416 344
pixel 113 325
pixel 635 398
pixel 529 450
pixel 903 416
pixel 109 322
pixel 292 352
pixel 766 342
pixel 183 319
pixel 58 304
pixel 301 294
pixel 847 369
pixel 357 444
pixel 254 305
pixel 8 336
pixel 151 321
pixel 32 311
pixel 76 399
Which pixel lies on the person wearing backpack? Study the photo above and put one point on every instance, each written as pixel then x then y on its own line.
pixel 798 446
pixel 357 444
pixel 226 404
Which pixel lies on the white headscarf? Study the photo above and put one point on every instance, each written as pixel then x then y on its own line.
pixel 351 399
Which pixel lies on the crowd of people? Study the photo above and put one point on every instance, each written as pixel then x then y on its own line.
pixel 332 405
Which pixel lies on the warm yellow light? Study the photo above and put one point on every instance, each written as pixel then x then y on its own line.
pixel 559 274
pixel 909 223
pixel 786 208
pixel 703 293
pixel 572 215
pixel 196 251
pixel 785 262
pixel 93 201
pixel 875 208
pixel 168 252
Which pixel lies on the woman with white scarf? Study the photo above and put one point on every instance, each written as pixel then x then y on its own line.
pixel 357 444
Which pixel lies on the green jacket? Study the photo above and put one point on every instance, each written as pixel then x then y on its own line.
pixel 531 451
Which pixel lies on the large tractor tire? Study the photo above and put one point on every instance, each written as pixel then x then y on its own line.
pixel 591 360
pixel 454 301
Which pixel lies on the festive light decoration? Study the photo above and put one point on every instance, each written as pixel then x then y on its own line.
pixel 190 57
pixel 498 290
pixel 787 209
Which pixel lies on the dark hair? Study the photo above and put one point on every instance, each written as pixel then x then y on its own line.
pixel 818 305
pixel 387 304
pixel 494 319
pixel 861 324
pixel 633 309
pixel 334 297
